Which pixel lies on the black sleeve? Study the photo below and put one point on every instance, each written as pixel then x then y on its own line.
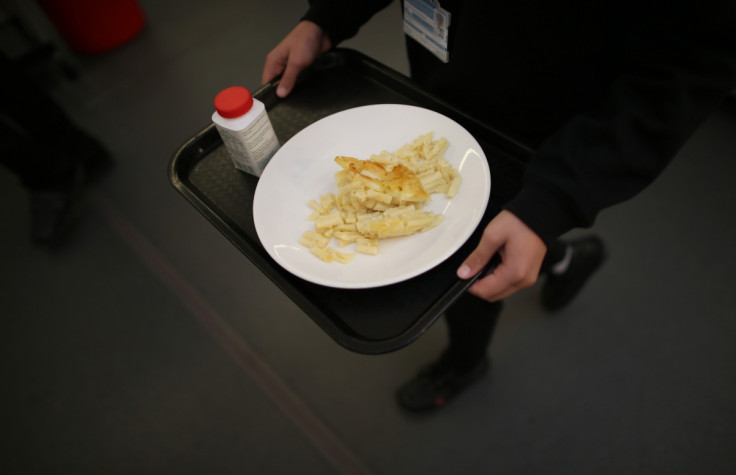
pixel 678 71
pixel 341 19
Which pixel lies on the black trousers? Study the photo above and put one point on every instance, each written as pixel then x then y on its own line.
pixel 471 320
pixel 38 141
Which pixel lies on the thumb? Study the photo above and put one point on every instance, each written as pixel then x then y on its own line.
pixel 476 260
pixel 288 79
pixel 269 72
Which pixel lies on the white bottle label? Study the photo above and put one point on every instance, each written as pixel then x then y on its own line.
pixel 252 147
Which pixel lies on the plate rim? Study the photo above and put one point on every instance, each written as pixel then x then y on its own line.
pixel 305 275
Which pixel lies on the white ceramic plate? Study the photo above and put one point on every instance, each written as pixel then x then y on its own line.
pixel 304 168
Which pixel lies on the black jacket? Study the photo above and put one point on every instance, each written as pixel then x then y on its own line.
pixel 605 93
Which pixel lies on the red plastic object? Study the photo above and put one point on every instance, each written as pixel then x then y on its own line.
pixel 233 102
pixel 95 26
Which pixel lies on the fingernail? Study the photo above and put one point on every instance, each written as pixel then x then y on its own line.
pixel 281 91
pixel 464 271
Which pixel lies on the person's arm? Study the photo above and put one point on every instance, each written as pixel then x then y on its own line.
pixel 342 19
pixel 677 76
pixel 326 24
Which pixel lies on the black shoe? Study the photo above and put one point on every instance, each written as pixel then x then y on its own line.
pixel 587 256
pixel 437 384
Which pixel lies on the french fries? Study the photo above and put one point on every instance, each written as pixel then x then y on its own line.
pixel 381 198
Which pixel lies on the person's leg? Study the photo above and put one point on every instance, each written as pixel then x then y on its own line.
pixel 26 123
pixel 36 166
pixel 47 145
pixel 46 151
pixel 470 322
pixel 470 325
pixel 50 179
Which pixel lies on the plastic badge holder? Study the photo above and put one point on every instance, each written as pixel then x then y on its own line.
pixel 372 321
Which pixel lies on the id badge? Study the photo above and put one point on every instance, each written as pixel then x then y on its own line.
pixel 428 23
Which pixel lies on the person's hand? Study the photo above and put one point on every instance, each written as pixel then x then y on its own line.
pixel 295 52
pixel 521 249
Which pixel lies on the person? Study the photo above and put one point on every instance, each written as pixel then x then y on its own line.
pixel 604 93
pixel 53 158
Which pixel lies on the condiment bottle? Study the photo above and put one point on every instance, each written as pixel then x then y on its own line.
pixel 245 128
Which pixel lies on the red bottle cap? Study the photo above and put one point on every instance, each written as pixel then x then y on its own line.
pixel 233 102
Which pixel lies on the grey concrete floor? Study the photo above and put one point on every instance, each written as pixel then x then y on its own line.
pixel 149 344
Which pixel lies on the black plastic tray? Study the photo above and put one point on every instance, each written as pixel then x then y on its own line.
pixel 374 320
